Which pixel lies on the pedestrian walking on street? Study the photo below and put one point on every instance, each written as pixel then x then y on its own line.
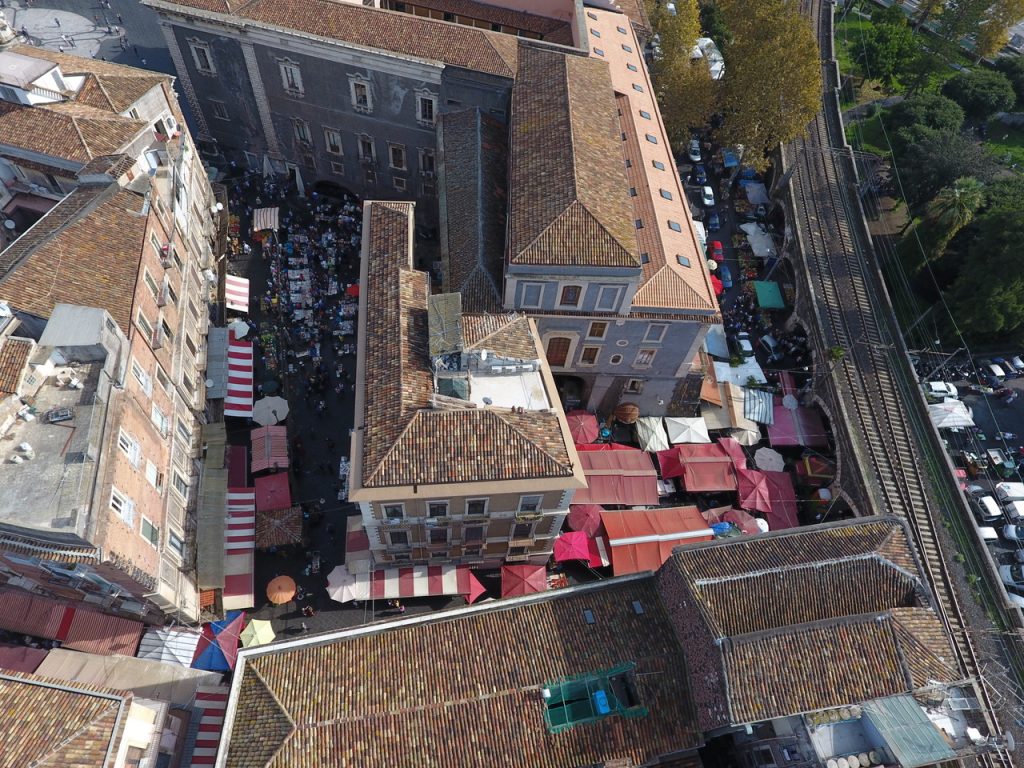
pixel 134 48
pixel 56 21
pixel 120 20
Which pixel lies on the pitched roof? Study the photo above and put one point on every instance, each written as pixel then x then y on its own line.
pixel 474 185
pixel 14 354
pixel 86 250
pixel 474 693
pixel 56 723
pixel 404 442
pixel 569 197
pixel 549 29
pixel 805 619
pixel 429 39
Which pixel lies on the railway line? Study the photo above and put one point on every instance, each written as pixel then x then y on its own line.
pixel 871 377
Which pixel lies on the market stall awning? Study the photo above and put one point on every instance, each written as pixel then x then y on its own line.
pixel 217 363
pixel 950 414
pixel 783 513
pixel 583 426
pixel 212 702
pixel 238 401
pixel 170 645
pixel 236 293
pixel 210 519
pixel 519 580
pixel 643 539
pixel 574 545
pixel 769 296
pixel 761 242
pixel 618 477
pixel 798 426
pixel 358 558
pixel 741 374
pixel 265 218
pixel 707 467
pixel 217 650
pixel 590 447
pixel 651 434
pixel 585 518
pixel 273 492
pixel 279 528
pixel 715 342
pixel 754 491
pixel 239 545
pixel 269 448
pixel 741 519
pixel 77 628
pixel 404 583
pixel 735 450
pixel 687 429
pixel 758 406
pixel 815 471
pixel 238 469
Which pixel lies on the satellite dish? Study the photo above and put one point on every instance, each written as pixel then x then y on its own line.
pixel 10 224
pixel 790 403
pixel 209 383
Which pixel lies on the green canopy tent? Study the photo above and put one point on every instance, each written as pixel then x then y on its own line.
pixel 768 295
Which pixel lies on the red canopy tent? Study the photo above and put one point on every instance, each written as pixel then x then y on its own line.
pixel 238 471
pixel 815 471
pixel 583 426
pixel 643 539
pixel 732 447
pixel 716 284
pixel 352 290
pixel 783 511
pixel 604 447
pixel 572 546
pixel 743 520
pixel 269 448
pixel 523 580
pixel 585 518
pixel 705 467
pixel 272 492
pixel 800 426
pixel 670 463
pixel 618 477
pixel 755 493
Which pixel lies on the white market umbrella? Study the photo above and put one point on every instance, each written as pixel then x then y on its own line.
pixel 687 429
pixel 269 411
pixel 769 460
pixel 746 437
pixel 239 327
pixel 651 434
pixel 341 585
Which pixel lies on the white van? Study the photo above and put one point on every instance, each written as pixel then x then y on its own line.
pixel 988 535
pixel 1014 510
pixel 1010 492
pixel 937 391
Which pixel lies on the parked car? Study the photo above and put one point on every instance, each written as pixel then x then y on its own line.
pixel 985 509
pixel 1012 575
pixel 693 151
pixel 937 391
pixel 744 345
pixel 1010 492
pixel 1008 370
pixel 714 223
pixel 707 196
pixel 1017 363
pixel 700 175
pixel 715 250
pixel 1013 532
pixel 725 276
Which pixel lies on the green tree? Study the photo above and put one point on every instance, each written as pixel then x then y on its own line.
pixel 952 209
pixel 772 88
pixel 686 92
pixel 981 92
pixel 1004 195
pixel 887 50
pixel 1013 68
pixel 713 24
pixel 910 120
pixel 926 9
pixel 994 30
pixel 937 161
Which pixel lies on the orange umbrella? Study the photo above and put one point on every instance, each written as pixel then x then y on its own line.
pixel 627 413
pixel 281 589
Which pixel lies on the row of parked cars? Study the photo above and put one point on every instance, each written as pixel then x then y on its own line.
pixel 1000 516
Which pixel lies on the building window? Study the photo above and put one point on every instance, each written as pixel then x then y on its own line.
pixel 645 114
pixel 447 16
pixel 639 223
pixel 220 109
pixel 645 258
pixel 202 56
pixel 183 432
pixel 627 48
pixel 143 378
pixel 632 68
pixel 476 506
pixel 427 162
pixel 622 30
pixel 367 150
pixel 130 447
pixel 399 183
pixel 634 386
pixel 598 330
pixel 531 295
pixel 429 188
pixel 632 191
pixel 530 503
pixel 675 226
pixel 595 33
pixel 338 169
pixel 144 325
pixel 589 355
pixel 151 284
pixel 658 164
pixel 362 100
pixel 629 163
pixel 522 530
pixel 123 506
pixel 150 532
pixel 665 194
pixel 558 351
pixel 396 156
pixel 438 535
pixel 154 476
pixel 332 141
pixel 570 296
pixel 473 534
pixel 176 544
pixel 437 509
pixel 426 108
pixel 291 77
pixel 644 358
pixel 599 52
pixel 160 421
pixel 301 128
pixel 398 538
pixel 683 260
pixel 180 484
pixel 638 88
pixel 394 511
pixel 370 177
pixel 651 138
pixel 615 359
pixel 608 298
pixel 656 332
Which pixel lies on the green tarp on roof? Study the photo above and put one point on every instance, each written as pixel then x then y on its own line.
pixel 908 733
pixel 768 295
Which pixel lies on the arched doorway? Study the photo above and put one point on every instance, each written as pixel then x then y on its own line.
pixel 331 189
pixel 573 391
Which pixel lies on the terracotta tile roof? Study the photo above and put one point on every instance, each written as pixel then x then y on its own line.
pixel 429 39
pixel 54 726
pixel 406 443
pixel 85 251
pixel 569 198
pixel 475 690
pixel 473 205
pixel 805 619
pixel 549 29
pixel 14 354
pixel 68 130
pixel 636 10
pixel 116 92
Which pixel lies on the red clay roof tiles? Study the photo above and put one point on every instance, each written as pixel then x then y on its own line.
pixel 14 354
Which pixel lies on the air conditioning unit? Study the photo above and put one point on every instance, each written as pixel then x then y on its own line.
pixel 167 256
pixel 158 337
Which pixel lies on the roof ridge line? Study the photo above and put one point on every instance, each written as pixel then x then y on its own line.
pixel 367 478
pixel 106 94
pixel 283 711
pixel 88 149
pixel 873 555
pixel 572 134
pixel 519 432
pixel 87 724
pixel 604 229
pixel 849 620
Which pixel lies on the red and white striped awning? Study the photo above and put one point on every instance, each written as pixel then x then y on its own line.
pixel 415 581
pixel 239 548
pixel 213 701
pixel 269 448
pixel 236 293
pixel 265 218
pixel 238 401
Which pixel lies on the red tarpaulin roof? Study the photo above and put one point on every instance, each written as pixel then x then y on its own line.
pixel 272 492
pixel 802 426
pixel 618 477
pixel 523 580
pixel 738 517
pixel 643 539
pixel 238 472
pixel 732 447
pixel 704 467
pixel 787 383
pixel 755 493
pixel 21 658
pixel 77 628
pixel 585 518
pixel 583 426
pixel 572 546
pixel 783 511
pixel 238 400
pixel 716 284
pixel 269 448
pixel 815 471
pixel 604 447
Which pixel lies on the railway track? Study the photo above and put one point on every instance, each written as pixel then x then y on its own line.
pixel 854 315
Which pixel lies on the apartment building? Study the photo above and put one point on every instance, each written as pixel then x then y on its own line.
pixel 460 452
pixel 113 283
